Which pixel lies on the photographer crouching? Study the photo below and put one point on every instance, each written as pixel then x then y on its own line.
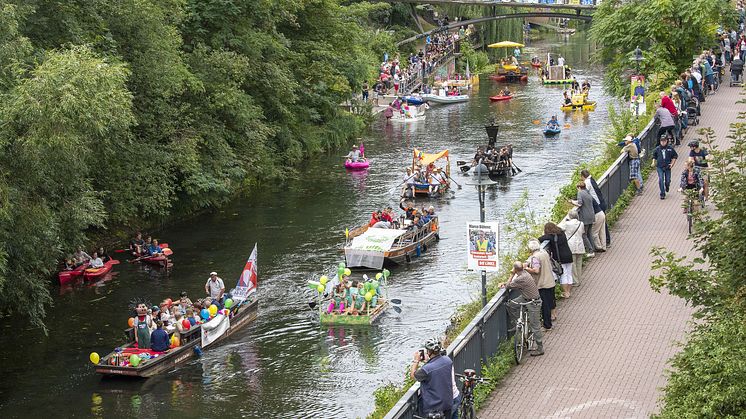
pixel 436 380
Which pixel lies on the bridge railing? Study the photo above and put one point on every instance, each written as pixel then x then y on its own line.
pixel 481 338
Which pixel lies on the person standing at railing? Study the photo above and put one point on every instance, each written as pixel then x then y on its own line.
pixel 522 281
pixel 664 157
pixel 600 229
pixel 587 216
pixel 539 266
pixel 633 157
pixel 435 377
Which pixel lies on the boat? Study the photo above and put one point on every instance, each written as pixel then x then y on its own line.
pixel 198 337
pixel 409 113
pixel 66 277
pixel 549 132
pixel 357 165
pixel 442 98
pixel 423 161
pixel 413 100
pixel 509 77
pixel 498 98
pixel 375 247
pixel 585 106
pixel 557 75
pixel 366 319
pixel 157 260
pixel 566 31
pixel 536 64
pixel 94 273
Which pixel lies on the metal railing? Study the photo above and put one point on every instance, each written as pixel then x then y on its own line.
pixel 481 338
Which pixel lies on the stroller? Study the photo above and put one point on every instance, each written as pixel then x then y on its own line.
pixel 736 72
pixel 691 111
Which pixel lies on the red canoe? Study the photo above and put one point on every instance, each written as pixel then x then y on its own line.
pixel 499 98
pixel 67 277
pixel 498 78
pixel 93 273
pixel 159 260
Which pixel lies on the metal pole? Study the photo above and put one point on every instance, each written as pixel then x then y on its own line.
pixel 482 219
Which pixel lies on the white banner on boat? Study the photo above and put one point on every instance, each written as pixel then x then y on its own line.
pixel 368 248
pixel 247 281
pixel 214 329
pixel 482 245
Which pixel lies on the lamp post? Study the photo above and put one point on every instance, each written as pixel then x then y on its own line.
pixel 481 181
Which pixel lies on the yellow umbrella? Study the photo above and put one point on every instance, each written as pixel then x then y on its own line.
pixel 505 44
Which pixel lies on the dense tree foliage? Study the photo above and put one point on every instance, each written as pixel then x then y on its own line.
pixel 122 112
pixel 668 32
pixel 707 380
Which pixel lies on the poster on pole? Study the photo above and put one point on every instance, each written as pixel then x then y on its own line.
pixel 482 244
pixel 637 95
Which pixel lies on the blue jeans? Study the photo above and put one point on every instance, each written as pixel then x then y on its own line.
pixel 456 404
pixel 664 179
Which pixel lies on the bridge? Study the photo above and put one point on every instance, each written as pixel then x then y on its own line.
pixel 589 4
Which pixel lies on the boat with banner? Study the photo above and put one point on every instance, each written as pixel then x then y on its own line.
pixel 434 181
pixel 556 74
pixel 375 248
pixel 131 361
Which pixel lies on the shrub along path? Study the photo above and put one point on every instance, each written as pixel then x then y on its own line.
pixel 608 350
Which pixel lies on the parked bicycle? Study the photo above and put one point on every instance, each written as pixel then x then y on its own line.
pixel 469 381
pixel 523 340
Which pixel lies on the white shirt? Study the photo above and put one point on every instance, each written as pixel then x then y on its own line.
pixel 215 286
pixel 97 263
pixel 560 61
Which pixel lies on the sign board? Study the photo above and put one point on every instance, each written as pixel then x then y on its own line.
pixel 637 95
pixel 482 245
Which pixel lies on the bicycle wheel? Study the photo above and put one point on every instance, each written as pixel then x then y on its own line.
pixel 689 217
pixel 519 343
pixel 467 412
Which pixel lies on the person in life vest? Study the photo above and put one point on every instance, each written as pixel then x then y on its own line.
pixel 483 244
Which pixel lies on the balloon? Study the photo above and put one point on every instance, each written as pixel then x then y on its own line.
pixel 386 273
pixel 379 275
pixel 324 279
pixel 94 357
pixel 368 296
pixel 320 288
pixel 341 265
pixel 367 286
pixel 348 272
pixel 175 341
pixel 131 322
pixel 213 310
pixel 185 323
pixel 313 285
pixel 204 313
pixel 228 303
pixel 374 285
pixel 340 272
pixel 134 360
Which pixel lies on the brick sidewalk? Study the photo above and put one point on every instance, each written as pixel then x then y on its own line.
pixel 609 347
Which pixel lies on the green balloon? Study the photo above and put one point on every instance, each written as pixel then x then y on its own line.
pixel 379 275
pixel 228 303
pixel 368 296
pixel 386 273
pixel 134 360
pixel 341 265
pixel 313 285
pixel 374 284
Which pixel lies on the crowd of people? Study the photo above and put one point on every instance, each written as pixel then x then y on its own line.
pixel 496 160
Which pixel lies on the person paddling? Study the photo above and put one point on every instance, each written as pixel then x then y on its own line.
pixel 354 155
pixel 136 244
pixel 553 124
pixel 154 249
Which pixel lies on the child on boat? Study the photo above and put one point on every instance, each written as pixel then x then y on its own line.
pixel 338 299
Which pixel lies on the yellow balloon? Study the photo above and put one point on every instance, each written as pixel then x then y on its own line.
pixel 323 280
pixel 213 309
pixel 368 296
pixel 94 357
pixel 379 275
pixel 175 341
pixel 348 272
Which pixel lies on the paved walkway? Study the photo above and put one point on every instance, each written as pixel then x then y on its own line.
pixel 608 350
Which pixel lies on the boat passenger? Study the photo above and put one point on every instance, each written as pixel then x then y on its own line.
pixel 514 61
pixel 215 288
pixel 184 300
pixel 81 257
pixel 507 92
pixel 553 124
pixel 178 318
pixel 154 249
pixel 359 298
pixel 375 218
pixel 103 255
pixel 575 85
pixel 501 92
pixel 338 299
pixel 191 317
pixel 142 325
pixel 159 341
pixel 567 99
pixel 148 242
pixel 165 315
pixel 96 261
pixel 408 209
pixel 586 86
pixel 69 263
pixel 136 244
pixel 387 215
pixel 354 155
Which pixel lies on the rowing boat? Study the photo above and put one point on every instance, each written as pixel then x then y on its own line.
pixel 431 98
pixel 378 247
pixel 498 98
pixel 352 319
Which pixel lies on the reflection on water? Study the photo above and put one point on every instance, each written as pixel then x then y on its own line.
pixel 284 364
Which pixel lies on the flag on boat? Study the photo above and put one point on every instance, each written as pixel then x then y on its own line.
pixel 214 329
pixel 247 281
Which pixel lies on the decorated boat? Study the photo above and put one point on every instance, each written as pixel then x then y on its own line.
pixel 357 165
pixel 365 319
pixel 93 273
pixel 131 361
pixel 506 72
pixel 587 105
pixel 409 113
pixel 556 74
pixel 375 247
pixel 439 177
pixel 161 260
pixel 498 98
pixel 364 302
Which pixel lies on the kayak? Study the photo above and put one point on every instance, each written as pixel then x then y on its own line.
pixel 587 106
pixel 357 165
pixel 551 132
pixel 159 260
pixel 500 97
pixel 93 273
pixel 66 277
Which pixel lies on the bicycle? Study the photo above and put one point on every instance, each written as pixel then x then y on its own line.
pixel 690 207
pixel 469 381
pixel 433 415
pixel 523 340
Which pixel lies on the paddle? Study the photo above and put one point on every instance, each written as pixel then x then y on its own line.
pixel 397 309
pixel 395 301
pixel 449 177
pixel 114 262
pixel 461 163
pixel 517 168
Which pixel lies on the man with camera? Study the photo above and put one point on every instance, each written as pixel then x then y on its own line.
pixel 436 379
pixel 523 282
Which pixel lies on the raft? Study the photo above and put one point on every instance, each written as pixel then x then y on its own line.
pixel 561 81
pixel 587 106
pixel 551 132
pixel 354 320
pixel 93 273
pixel 357 165
pixel 500 97
pixel 509 77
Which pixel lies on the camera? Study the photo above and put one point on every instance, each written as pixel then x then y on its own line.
pixel 422 354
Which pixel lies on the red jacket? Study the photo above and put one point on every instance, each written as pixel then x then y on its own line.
pixel 667 103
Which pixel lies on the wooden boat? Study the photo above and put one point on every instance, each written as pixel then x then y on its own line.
pixel 243 312
pixel 421 161
pixel 357 165
pixel 94 273
pixel 498 98
pixel 67 277
pixel 431 98
pixel 587 106
pixel 557 75
pixel 352 319
pixel 549 132
pixel 405 244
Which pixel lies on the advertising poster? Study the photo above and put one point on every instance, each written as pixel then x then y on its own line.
pixel 482 245
pixel 637 95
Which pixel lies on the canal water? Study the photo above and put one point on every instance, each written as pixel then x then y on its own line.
pixel 284 364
